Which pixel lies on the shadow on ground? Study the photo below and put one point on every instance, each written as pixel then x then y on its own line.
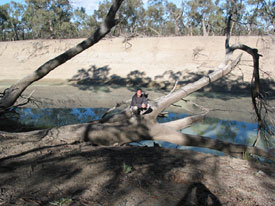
pixel 95 78
pixel 87 175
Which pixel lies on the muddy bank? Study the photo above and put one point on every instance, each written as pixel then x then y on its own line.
pixel 59 94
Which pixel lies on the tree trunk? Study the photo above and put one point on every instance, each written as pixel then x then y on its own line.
pixel 205 33
pixel 124 127
pixel 131 129
pixel 13 93
pixel 15 32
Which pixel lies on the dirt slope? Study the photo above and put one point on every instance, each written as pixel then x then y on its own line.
pixel 158 59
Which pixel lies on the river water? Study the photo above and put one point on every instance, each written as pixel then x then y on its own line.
pixel 25 119
pixel 231 118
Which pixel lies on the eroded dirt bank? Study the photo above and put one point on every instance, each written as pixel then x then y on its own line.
pixel 141 59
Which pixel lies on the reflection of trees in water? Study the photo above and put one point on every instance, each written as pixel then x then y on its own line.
pixel 29 119
pixel 225 130
pixel 24 119
pixel 231 131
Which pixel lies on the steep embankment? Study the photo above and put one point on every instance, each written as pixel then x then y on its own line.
pixel 162 59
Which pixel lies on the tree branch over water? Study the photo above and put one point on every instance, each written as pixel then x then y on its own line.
pixel 124 127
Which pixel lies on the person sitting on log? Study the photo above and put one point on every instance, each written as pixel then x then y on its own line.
pixel 139 102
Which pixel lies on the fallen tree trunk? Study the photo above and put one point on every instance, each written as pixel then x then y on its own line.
pixel 134 129
pixel 124 127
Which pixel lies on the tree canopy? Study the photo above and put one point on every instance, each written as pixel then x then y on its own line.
pixel 53 19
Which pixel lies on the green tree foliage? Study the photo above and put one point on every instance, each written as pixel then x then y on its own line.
pixel 261 18
pixel 4 21
pixel 81 24
pixel 49 18
pixel 174 20
pixel 12 26
pixel 57 19
pixel 155 17
pixel 16 11
pixel 204 17
pixel 131 15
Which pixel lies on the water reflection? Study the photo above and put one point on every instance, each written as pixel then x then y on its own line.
pixel 227 130
pixel 25 119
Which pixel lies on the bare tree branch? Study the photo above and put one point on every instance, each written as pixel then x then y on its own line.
pixel 200 141
pixel 166 101
pixel 256 93
pixel 175 86
pixel 27 100
pixel 18 88
pixel 185 122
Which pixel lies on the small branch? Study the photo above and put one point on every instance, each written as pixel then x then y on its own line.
pixel 175 86
pixel 185 122
pixel 28 99
pixel 116 106
pixel 155 31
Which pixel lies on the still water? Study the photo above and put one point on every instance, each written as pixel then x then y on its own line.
pixel 24 119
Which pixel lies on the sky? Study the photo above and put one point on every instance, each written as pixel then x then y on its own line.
pixel 89 5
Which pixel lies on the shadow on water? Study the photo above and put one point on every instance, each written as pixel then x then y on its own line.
pixel 27 119
pixel 95 78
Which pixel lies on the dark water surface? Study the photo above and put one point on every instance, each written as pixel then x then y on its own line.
pixel 26 119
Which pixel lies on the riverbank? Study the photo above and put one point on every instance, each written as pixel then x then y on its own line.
pixel 139 61
pixel 60 94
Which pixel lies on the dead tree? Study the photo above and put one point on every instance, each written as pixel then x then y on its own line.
pixel 123 127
